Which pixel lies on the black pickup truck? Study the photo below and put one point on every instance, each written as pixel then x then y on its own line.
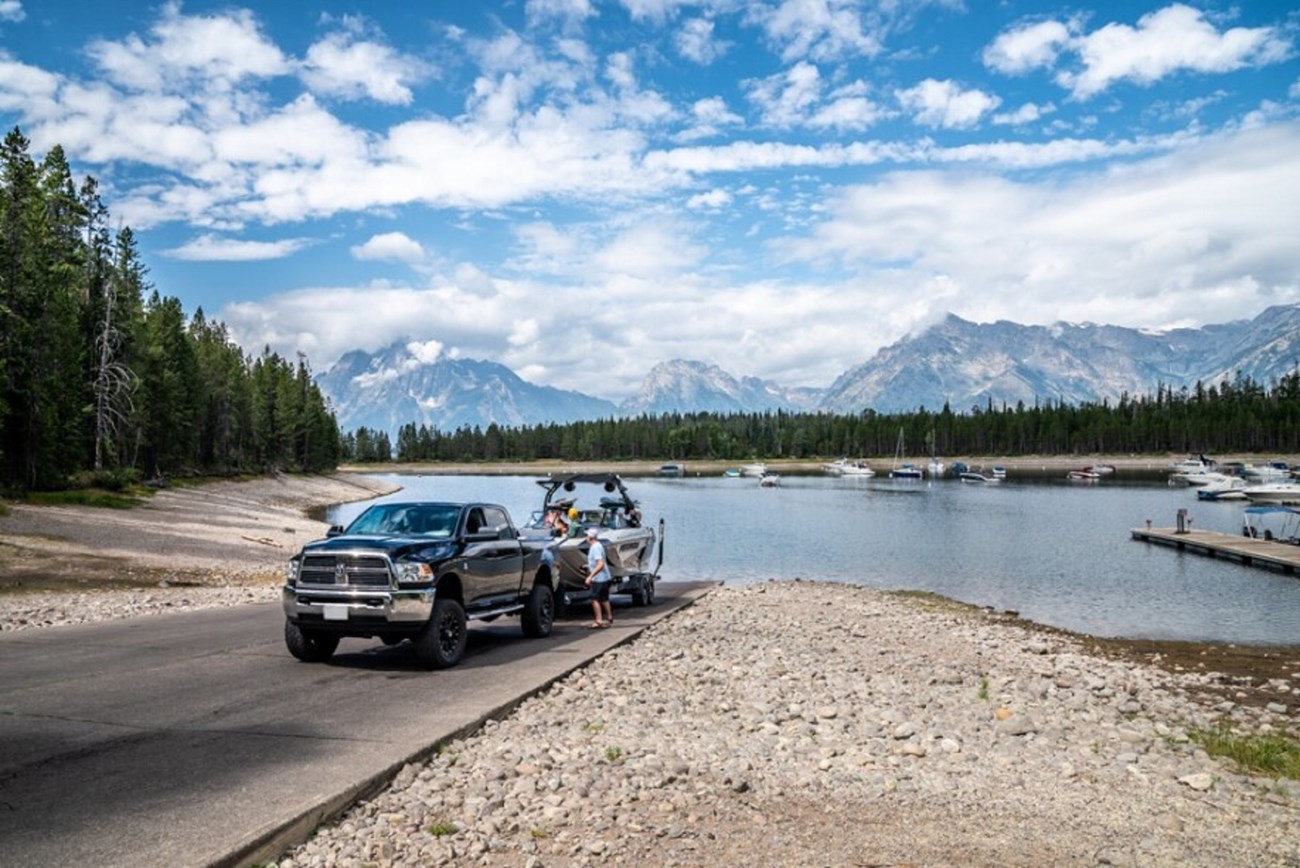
pixel 415 571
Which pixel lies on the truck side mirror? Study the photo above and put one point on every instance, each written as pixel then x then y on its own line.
pixel 335 530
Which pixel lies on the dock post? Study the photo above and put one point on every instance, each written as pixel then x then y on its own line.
pixel 1182 521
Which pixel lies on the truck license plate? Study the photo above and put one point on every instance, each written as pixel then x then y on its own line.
pixel 336 612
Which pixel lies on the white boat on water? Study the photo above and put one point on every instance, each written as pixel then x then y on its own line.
pixel 845 467
pixel 1274 493
pixel 1083 474
pixel 757 468
pixel 904 470
pixel 1224 488
pixel 1191 466
pixel 1273 471
pixel 769 480
pixel 976 476
pixel 999 472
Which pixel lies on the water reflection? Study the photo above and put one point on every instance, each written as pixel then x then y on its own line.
pixel 1058 553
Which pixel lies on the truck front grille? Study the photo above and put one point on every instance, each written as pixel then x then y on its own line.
pixel 351 570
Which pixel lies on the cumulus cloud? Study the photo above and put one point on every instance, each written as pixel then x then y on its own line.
pixel 1026 47
pixel 207 248
pixel 1169 40
pixel 11 10
pixel 696 42
pixel 945 104
pixel 1196 230
pixel 786 99
pixel 344 66
pixel 1174 39
pixel 390 247
pixel 714 199
pixel 823 30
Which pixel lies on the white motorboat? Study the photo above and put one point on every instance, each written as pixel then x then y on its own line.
pixel 769 480
pixel 1273 471
pixel 1224 488
pixel 672 470
pixel 935 468
pixel 975 476
pixel 1192 465
pixel 999 472
pixel 757 468
pixel 845 467
pixel 630 544
pixel 1274 493
pixel 1083 474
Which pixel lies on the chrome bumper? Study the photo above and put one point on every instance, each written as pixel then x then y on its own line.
pixel 338 607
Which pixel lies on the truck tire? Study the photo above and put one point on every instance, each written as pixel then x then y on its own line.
pixel 539 611
pixel 307 646
pixel 441 643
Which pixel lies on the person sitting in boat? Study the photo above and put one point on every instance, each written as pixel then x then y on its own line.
pixel 634 517
pixel 559 525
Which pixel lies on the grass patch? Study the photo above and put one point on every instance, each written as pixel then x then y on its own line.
pixel 1276 755
pixel 613 754
pixel 593 727
pixel 984 689
pixel 440 830
pixel 96 497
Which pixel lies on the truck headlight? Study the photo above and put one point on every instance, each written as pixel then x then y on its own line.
pixel 291 571
pixel 414 573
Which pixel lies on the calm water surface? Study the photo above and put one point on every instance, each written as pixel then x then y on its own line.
pixel 1057 552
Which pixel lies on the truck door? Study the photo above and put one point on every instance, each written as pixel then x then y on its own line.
pixel 495 566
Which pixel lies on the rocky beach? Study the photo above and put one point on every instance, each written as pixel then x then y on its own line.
pixel 784 723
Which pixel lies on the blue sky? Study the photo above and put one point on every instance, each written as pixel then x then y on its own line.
pixel 583 188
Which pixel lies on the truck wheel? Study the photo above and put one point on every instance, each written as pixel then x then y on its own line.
pixel 441 643
pixel 307 646
pixel 539 611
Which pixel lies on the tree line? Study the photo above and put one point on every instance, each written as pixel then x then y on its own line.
pixel 1236 415
pixel 104 380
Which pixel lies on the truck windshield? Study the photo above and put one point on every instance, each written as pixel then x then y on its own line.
pixel 406 519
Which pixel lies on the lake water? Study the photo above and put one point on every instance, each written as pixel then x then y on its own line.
pixel 1057 552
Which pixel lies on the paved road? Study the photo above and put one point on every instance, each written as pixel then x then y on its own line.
pixel 195 739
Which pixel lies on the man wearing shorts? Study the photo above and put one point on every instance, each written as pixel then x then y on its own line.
pixel 599 579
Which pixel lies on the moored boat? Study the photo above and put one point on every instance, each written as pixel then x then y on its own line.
pixel 756 468
pixel 1224 488
pixel 1276 493
pixel 769 479
pixel 1083 474
pixel 672 470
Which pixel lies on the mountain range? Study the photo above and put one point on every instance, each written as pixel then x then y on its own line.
pixel 961 363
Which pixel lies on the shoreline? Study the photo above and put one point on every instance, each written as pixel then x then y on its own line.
pixel 1027 464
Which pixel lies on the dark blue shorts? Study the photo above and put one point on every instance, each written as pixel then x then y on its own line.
pixel 600 591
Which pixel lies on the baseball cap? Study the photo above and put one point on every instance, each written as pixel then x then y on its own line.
pixel 591 533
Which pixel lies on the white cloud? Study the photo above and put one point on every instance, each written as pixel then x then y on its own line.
pixel 217 51
pixel 1139 245
pixel 786 99
pixel 1026 114
pixel 945 104
pixel 1164 42
pixel 215 248
pixel 1026 47
pixel 696 42
pixel 425 352
pixel 822 30
pixel 11 10
pixel 710 117
pixel 712 200
pixel 391 247
pixel 567 11
pixel 341 65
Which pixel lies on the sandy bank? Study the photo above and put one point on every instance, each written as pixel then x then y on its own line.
pixel 221 533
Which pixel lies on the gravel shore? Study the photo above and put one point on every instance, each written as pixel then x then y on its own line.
pixel 807 724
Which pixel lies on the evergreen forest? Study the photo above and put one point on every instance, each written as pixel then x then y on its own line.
pixel 1235 416
pixel 103 380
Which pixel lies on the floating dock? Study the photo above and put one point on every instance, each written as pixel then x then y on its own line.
pixel 1270 554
